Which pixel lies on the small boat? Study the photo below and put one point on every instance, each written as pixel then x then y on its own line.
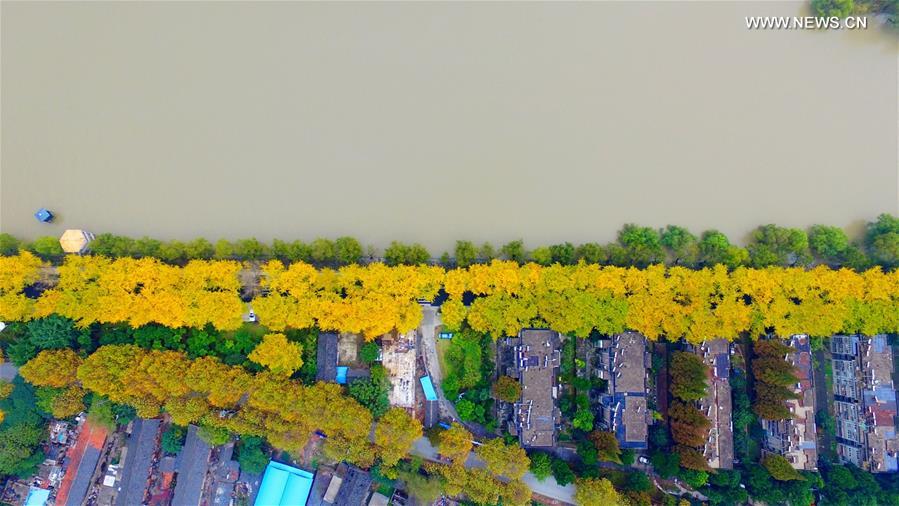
pixel 43 215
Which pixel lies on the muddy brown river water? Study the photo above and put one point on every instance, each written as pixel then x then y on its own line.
pixel 439 121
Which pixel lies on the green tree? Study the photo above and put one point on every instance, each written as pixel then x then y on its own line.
pixel 591 253
pixel 112 246
pixel 395 433
pixel 47 248
pixel 369 352
pixel 215 436
pixel 486 252
pixel 885 249
pixel 20 449
pixel 347 250
pixel 694 478
pixel 322 251
pixel 606 445
pixel 9 245
pixel 562 472
pixel 688 376
pixel 173 252
pixel 251 249
pixel 425 489
pixel 507 389
pixel 773 245
pixel 838 8
pixel 542 255
pixel 828 243
pixel 514 251
pixel 401 254
pixel 665 464
pixel 637 482
pixel 199 249
pixel 147 247
pixel 372 392
pixel 455 443
pixel 596 491
pixel 583 419
pixel 563 254
pixel 682 246
pixel 173 439
pixel 715 248
pixel 643 245
pixel 855 258
pixel 109 414
pixel 52 332
pixel 466 253
pixel 541 465
pixel 224 250
pixel 251 454
pixel 780 468
pixel 501 459
pixel 468 411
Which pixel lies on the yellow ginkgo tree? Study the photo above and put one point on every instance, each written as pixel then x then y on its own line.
pixel 278 354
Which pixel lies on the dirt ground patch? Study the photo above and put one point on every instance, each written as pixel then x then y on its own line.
pixel 442 347
pixel 348 348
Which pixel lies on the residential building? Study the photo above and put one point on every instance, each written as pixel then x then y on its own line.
pixel 143 444
pixel 795 437
pixel 622 361
pixel 865 402
pixel 284 485
pixel 326 357
pixel 716 405
pixel 536 363
pixel 81 463
pixel 192 469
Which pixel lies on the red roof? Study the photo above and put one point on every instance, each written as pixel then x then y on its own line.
pixel 90 435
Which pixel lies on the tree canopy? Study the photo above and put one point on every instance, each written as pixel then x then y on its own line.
pixel 279 355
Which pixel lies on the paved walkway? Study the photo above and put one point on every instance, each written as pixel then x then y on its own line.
pixel 428 349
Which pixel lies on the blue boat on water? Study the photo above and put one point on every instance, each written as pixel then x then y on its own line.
pixel 43 215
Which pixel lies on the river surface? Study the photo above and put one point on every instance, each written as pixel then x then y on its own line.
pixel 433 122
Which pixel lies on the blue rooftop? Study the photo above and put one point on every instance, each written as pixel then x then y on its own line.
pixel 37 497
pixel 283 485
pixel 428 387
pixel 341 374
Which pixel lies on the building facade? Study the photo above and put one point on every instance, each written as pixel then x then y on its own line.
pixel 536 360
pixel 865 402
pixel 716 405
pixel 796 438
pixel 623 362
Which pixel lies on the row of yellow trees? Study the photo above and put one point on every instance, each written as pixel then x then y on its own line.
pixel 212 394
pixel 375 299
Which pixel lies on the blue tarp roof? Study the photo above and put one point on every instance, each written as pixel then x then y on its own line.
pixel 341 375
pixel 283 485
pixel 428 387
pixel 37 497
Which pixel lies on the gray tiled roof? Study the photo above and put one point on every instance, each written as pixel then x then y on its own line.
pixel 326 357
pixel 355 488
pixel 82 480
pixel 192 473
pixel 141 447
